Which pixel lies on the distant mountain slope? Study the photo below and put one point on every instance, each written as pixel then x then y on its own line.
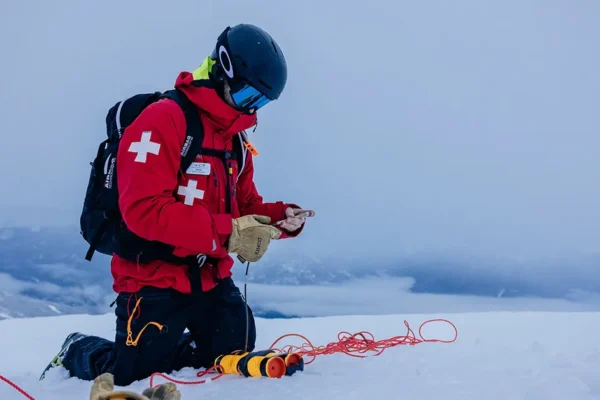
pixel 42 268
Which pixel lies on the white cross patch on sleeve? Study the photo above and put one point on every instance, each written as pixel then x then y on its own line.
pixel 143 147
pixel 190 192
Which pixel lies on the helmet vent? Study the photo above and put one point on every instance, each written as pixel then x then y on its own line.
pixel 274 47
pixel 242 61
pixel 263 83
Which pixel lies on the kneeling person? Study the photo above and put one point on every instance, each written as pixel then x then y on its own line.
pixel 206 212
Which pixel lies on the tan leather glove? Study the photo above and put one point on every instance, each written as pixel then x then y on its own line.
pixel 251 236
pixel 103 388
pixel 166 391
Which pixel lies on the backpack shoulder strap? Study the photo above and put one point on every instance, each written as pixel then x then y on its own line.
pixel 122 114
pixel 194 135
pixel 240 151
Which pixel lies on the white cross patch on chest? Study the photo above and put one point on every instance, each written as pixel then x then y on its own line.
pixel 190 192
pixel 143 147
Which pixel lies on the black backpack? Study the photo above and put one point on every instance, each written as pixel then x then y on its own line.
pixel 101 223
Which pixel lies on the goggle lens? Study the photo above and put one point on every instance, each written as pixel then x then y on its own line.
pixel 247 97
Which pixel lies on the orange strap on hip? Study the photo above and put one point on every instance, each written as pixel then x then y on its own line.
pixel 130 341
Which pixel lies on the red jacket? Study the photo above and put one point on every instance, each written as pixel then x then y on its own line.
pixel 187 211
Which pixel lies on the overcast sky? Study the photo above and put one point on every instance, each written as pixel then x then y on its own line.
pixel 467 127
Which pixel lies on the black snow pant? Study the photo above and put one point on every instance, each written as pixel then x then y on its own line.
pixel 216 321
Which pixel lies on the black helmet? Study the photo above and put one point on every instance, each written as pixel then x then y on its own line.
pixel 253 65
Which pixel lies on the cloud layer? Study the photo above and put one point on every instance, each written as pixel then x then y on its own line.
pixel 392 296
pixel 466 128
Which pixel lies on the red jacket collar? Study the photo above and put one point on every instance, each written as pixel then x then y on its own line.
pixel 225 119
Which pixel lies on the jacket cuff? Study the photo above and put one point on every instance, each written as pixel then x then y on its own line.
pixel 287 235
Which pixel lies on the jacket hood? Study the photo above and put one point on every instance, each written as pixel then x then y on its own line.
pixel 225 119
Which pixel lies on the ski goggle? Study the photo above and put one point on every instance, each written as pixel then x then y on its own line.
pixel 246 97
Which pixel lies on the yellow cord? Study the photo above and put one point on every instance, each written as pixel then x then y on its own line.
pixel 130 341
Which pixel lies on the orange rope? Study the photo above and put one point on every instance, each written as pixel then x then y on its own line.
pixel 358 344
pixel 200 374
pixel 354 345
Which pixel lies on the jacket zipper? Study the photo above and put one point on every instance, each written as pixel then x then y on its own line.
pixel 227 165
pixel 216 179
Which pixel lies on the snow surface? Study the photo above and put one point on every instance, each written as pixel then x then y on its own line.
pixel 498 355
